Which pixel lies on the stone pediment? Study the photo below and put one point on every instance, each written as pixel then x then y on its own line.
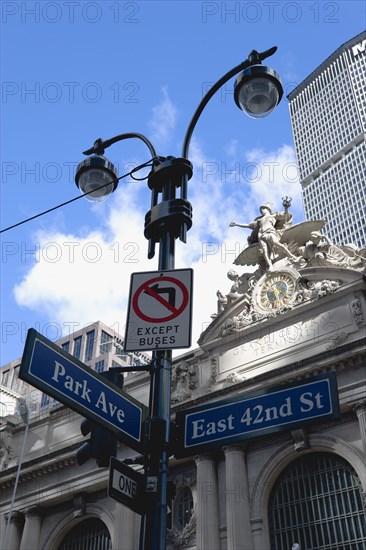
pixel 244 317
pixel 296 265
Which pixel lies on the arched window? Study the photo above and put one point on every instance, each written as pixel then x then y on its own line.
pixel 183 508
pixel 317 503
pixel 91 533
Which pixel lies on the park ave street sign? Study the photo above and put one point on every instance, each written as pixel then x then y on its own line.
pixel 57 373
pixel 126 486
pixel 159 312
pixel 286 408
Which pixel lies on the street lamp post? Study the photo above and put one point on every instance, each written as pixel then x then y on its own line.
pixel 257 92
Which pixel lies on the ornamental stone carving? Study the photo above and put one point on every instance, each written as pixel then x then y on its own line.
pixel 184 381
pixel 357 312
pixel 179 538
pixel 214 370
pixel 188 479
pixel 6 451
pixel 79 502
pixel 337 340
pixel 233 378
pixel 301 440
pixel 292 261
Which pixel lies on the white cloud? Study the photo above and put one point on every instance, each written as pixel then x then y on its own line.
pixel 86 278
pixel 273 175
pixel 163 120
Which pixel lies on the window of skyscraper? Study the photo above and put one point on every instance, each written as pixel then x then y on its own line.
pixel 5 378
pixel 89 345
pixel 99 366
pixel 65 346
pixel 77 347
pixel 106 342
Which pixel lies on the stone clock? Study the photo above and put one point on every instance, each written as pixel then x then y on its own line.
pixel 275 290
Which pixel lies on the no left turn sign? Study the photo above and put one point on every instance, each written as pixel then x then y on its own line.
pixel 159 313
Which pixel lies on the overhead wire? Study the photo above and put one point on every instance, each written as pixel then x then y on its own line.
pixel 148 163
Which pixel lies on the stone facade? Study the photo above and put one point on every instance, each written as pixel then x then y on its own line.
pixel 287 322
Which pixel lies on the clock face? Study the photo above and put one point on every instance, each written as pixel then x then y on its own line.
pixel 276 291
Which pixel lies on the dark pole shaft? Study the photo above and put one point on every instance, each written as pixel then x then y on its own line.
pixel 160 388
pixel 155 533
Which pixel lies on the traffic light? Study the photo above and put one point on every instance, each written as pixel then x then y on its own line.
pixel 84 453
pixel 102 443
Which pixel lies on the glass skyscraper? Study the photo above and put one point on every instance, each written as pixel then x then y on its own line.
pixel 328 117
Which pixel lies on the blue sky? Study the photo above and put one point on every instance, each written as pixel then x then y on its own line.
pixel 75 71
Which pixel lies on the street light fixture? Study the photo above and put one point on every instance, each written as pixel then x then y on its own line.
pixel 97 178
pixel 258 90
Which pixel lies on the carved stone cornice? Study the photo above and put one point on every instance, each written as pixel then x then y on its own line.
pixel 70 504
pixel 314 365
pixel 39 467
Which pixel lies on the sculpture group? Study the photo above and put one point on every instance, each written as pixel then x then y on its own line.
pixel 274 238
pixel 275 245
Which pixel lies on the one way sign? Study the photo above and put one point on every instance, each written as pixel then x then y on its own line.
pixel 126 486
pixel 159 313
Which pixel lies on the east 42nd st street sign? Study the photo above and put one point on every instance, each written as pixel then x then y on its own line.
pixel 285 408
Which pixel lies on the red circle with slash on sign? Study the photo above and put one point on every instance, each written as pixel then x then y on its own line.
pixel 151 287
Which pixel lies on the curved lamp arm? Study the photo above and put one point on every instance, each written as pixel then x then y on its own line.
pixel 253 58
pixel 100 145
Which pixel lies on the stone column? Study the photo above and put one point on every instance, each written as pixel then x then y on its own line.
pixel 124 528
pixel 208 517
pixel 360 409
pixel 239 532
pixel 32 529
pixel 14 532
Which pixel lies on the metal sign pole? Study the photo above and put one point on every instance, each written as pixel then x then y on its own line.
pixel 167 220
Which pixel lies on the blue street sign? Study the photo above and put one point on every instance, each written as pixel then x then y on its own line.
pixel 57 373
pixel 285 408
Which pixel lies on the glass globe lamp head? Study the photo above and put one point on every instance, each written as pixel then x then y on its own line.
pixel 97 177
pixel 258 90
